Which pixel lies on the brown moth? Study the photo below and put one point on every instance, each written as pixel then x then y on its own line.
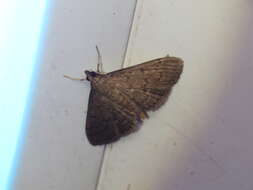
pixel 119 100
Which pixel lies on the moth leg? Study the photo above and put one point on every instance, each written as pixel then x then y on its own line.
pixel 99 65
pixel 72 78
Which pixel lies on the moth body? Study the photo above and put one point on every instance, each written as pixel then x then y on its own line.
pixel 120 100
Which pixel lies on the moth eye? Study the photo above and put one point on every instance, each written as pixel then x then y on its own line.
pixel 90 74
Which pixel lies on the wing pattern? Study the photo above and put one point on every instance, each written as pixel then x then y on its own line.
pixel 149 84
pixel 107 121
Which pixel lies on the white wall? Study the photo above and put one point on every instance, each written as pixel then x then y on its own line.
pixel 56 153
pixel 202 137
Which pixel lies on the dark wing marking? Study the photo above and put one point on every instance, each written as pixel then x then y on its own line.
pixel 148 84
pixel 107 121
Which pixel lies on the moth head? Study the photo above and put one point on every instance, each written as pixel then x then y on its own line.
pixel 90 75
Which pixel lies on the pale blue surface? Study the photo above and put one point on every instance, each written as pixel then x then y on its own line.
pixel 21 25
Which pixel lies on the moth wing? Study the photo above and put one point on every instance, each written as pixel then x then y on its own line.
pixel 107 121
pixel 149 84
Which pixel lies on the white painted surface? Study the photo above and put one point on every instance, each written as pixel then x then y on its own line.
pixel 56 154
pixel 202 137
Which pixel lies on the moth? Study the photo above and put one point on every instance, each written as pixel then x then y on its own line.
pixel 119 100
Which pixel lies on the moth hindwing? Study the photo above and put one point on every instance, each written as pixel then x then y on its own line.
pixel 119 100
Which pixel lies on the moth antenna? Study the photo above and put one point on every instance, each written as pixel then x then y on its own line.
pixel 72 78
pixel 99 65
